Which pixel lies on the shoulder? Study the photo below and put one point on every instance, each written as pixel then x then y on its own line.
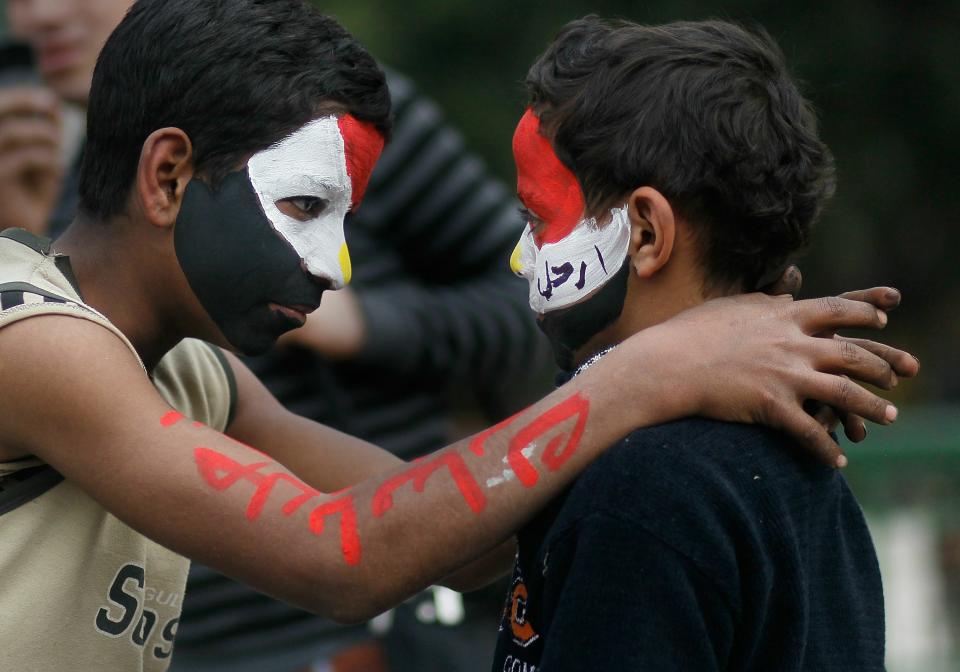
pixel 54 367
pixel 702 487
pixel 672 458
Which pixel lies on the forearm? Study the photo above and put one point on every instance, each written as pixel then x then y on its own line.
pixel 419 523
pixel 325 458
pixel 352 554
pixel 485 570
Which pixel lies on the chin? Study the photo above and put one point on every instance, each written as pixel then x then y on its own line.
pixel 257 332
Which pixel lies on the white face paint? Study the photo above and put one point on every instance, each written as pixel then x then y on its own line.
pixel 562 273
pixel 311 163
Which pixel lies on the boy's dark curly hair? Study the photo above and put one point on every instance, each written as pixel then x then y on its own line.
pixel 235 75
pixel 704 112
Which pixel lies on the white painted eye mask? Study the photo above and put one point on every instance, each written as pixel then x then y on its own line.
pixel 327 162
pixel 564 272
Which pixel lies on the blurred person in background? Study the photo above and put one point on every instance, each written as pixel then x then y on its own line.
pixel 429 306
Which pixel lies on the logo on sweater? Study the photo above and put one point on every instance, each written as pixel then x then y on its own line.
pixel 126 614
pixel 523 633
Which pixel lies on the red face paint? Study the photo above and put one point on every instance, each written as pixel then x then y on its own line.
pixel 363 144
pixel 546 186
pixel 418 475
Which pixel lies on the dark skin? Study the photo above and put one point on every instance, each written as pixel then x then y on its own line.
pixel 751 359
pixel 885 298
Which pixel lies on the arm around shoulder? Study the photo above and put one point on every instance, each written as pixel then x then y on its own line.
pixel 83 404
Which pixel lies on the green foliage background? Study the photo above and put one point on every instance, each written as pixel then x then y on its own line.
pixel 884 75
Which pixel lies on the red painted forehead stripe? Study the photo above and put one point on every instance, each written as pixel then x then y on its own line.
pixel 547 187
pixel 363 144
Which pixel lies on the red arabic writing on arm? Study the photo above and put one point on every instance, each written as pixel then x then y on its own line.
pixel 221 472
pixel 418 475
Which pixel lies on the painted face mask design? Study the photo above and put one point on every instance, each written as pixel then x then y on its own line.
pixel 256 269
pixel 577 269
pixel 568 258
pixel 312 164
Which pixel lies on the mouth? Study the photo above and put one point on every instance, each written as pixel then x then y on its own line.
pixel 296 312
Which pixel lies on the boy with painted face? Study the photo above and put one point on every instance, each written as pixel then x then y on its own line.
pixel 213 187
pixel 661 166
pixel 287 208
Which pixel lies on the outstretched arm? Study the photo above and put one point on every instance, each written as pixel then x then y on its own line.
pixel 353 553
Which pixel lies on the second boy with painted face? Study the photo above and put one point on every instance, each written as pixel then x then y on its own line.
pixel 662 166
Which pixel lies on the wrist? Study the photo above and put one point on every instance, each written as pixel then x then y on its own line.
pixel 649 375
pixel 675 380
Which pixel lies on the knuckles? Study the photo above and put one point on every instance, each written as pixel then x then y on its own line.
pixel 831 305
pixel 843 392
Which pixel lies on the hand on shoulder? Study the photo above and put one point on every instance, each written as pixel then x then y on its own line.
pixel 756 359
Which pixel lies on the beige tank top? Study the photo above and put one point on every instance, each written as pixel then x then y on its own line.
pixel 80 590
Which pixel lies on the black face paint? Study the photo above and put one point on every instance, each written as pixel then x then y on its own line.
pixel 236 263
pixel 569 329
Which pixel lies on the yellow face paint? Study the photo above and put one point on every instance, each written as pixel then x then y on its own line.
pixel 515 264
pixel 345 267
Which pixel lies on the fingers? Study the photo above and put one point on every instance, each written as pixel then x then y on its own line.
pixel 847 396
pixel 826 416
pixel 844 357
pixel 28 160
pixel 788 283
pixel 29 135
pixel 854 427
pixel 831 313
pixel 28 101
pixel 884 298
pixel 25 132
pixel 903 363
pixel 810 434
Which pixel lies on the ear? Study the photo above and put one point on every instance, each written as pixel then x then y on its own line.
pixel 165 168
pixel 652 231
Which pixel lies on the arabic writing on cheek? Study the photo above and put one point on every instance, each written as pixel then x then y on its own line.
pixel 557 276
pixel 221 472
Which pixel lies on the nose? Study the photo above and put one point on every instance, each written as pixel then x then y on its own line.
pixel 346 268
pixel 515 264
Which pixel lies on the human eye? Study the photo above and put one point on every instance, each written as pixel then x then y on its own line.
pixel 302 208
pixel 534 223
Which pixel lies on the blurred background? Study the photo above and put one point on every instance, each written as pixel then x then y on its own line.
pixel 884 78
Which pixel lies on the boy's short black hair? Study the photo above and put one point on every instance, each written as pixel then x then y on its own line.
pixel 704 112
pixel 235 75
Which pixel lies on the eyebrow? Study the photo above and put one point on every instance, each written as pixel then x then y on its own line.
pixel 310 182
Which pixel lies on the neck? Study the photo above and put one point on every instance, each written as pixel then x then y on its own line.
pixel 649 302
pixel 112 266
